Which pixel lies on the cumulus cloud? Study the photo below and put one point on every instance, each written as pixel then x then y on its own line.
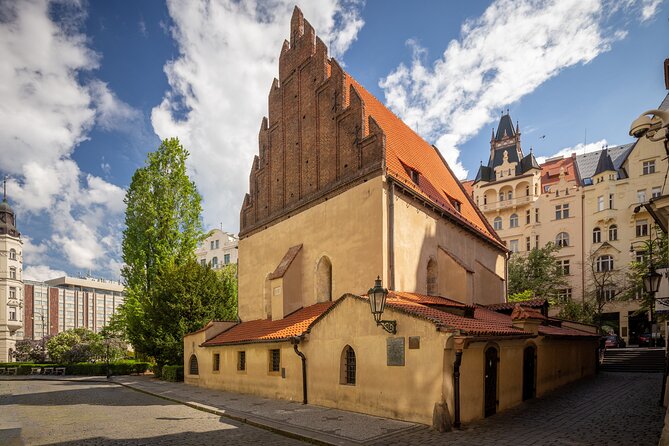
pixel 40 273
pixel 46 111
pixel 578 149
pixel 220 81
pixel 501 56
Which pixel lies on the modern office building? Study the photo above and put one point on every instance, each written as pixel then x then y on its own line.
pixel 69 302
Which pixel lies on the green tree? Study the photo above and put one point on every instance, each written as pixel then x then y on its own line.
pixel 162 231
pixel 640 267
pixel 185 298
pixel 75 345
pixel 537 274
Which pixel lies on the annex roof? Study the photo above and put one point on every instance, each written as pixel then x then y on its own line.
pixel 407 152
pixel 267 330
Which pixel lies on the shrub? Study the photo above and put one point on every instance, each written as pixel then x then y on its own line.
pixel 157 370
pixel 86 368
pixel 173 373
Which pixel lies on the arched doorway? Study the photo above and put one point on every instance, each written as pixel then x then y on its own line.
pixel 529 372
pixel 491 365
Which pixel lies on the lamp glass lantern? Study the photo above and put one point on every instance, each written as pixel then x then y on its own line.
pixel 651 281
pixel 377 303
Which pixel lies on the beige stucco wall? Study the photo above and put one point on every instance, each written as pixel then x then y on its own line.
pixel 347 228
pixel 406 392
pixel 558 362
pixel 418 236
pixel 9 329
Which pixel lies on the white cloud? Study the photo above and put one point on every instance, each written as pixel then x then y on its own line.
pixel 578 149
pixel 40 273
pixel 220 82
pixel 649 8
pixel 46 112
pixel 501 56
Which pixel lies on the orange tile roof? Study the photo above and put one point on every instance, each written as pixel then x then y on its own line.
pixel 532 303
pixel 550 171
pixel 267 330
pixel 522 312
pixel 405 149
pixel 469 187
pixel 425 299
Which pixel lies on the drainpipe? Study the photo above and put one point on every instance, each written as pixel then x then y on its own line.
pixel 391 235
pixel 456 387
pixel 295 340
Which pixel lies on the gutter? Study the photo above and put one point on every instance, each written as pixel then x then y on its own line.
pixel 391 233
pixel 295 340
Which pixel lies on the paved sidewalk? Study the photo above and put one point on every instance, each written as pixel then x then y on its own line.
pixel 315 424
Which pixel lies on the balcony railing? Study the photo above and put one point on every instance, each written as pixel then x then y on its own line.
pixel 518 201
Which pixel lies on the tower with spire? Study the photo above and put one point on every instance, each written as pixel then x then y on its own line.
pixel 11 279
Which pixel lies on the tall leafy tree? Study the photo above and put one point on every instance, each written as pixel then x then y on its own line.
pixel 186 297
pixel 536 274
pixel 163 229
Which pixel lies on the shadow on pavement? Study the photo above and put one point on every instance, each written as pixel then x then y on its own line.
pixel 99 395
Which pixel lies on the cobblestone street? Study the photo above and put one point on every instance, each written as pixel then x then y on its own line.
pixel 69 413
pixel 616 409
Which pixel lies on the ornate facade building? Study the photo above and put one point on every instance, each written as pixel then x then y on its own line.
pixel 588 205
pixel 342 192
pixel 218 249
pixel 11 280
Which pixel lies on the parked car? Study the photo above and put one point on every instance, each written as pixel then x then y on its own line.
pixel 645 340
pixel 614 341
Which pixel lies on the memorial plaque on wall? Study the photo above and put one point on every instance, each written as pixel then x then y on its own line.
pixel 395 351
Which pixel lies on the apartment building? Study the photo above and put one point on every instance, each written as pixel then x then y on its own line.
pixel 218 249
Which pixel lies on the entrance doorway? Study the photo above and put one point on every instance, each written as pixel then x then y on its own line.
pixel 491 364
pixel 529 372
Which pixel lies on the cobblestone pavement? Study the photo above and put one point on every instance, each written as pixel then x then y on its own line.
pixel 616 409
pixel 69 413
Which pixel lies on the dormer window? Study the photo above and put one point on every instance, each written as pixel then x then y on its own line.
pixel 415 176
pixel 456 204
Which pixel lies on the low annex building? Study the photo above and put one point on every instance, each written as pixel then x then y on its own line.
pixel 343 192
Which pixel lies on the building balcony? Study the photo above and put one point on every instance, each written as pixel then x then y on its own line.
pixel 514 202
pixel 14 325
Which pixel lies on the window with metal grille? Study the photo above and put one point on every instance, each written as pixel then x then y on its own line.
pixel 217 362
pixel 274 360
pixel 347 375
pixel 192 365
pixel 241 360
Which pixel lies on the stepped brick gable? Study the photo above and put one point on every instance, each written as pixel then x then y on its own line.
pixel 325 132
pixel 317 138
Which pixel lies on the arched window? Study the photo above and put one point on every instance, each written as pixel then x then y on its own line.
pixel 12 254
pixel 347 375
pixel 324 280
pixel 214 262
pixel 562 239
pixel 604 263
pixel 192 365
pixel 613 233
pixel 509 194
pixel 501 196
pixel 497 223
pixel 513 221
pixel 432 283
pixel 596 235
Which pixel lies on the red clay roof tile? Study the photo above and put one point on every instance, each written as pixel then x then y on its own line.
pixel 268 330
pixel 405 148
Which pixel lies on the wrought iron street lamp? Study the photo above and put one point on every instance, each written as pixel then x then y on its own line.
pixel 377 303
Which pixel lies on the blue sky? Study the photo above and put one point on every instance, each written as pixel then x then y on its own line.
pixel 90 87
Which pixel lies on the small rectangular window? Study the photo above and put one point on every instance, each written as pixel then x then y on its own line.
pixel 211 245
pixel 274 360
pixel 656 192
pixel 513 245
pixel 241 360
pixel 610 201
pixel 536 241
pixel 528 246
pixel 564 267
pixel 536 215
pixel 226 258
pixel 217 362
pixel 527 217
pixel 12 313
pixel 641 196
pixel 648 167
pixel 600 203
pixel 642 228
